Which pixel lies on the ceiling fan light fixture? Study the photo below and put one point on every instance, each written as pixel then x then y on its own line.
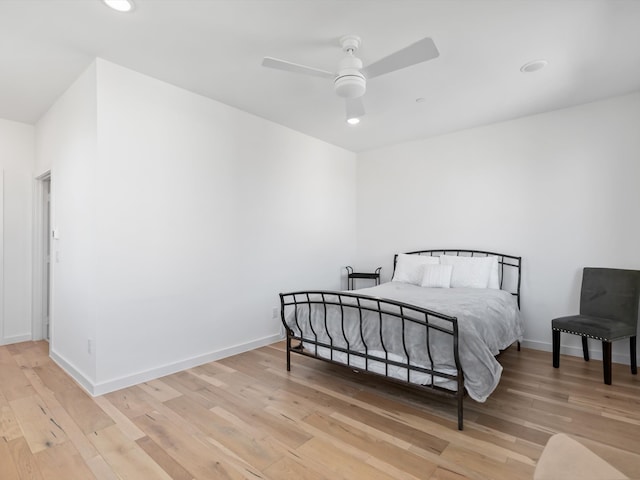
pixel 119 5
pixel 353 121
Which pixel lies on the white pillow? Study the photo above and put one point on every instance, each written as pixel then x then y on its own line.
pixel 494 276
pixel 471 272
pixel 410 268
pixel 437 276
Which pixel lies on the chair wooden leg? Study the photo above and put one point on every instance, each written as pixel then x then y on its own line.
pixel 606 361
pixel 556 348
pixel 585 348
pixel 633 355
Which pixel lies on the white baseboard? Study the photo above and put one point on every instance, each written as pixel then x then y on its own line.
pixel 72 371
pixel 95 389
pixel 15 339
pixel 595 354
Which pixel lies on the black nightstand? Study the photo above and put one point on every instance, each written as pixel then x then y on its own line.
pixel 351 277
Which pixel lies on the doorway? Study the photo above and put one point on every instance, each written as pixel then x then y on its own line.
pixel 41 322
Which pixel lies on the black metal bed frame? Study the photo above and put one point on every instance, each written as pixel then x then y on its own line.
pixel 386 310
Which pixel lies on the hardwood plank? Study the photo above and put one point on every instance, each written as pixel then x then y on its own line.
pixel 33 354
pixel 159 390
pixel 214 368
pixel 241 403
pixel 293 469
pixel 211 379
pixel 74 433
pixel 339 462
pixel 271 423
pixel 373 446
pixel 237 436
pixel 101 469
pixel 388 424
pixel 36 353
pixel 429 456
pixel 191 386
pixel 490 468
pixel 9 426
pixel 201 459
pixel 41 430
pixel 512 445
pixel 297 402
pixel 62 461
pixel 6 357
pixel 511 424
pixel 442 473
pixel 54 378
pixel 128 460
pixel 132 402
pixel 87 415
pixel 175 418
pixel 245 383
pixel 40 388
pixel 162 458
pixel 24 460
pixel 14 384
pixel 8 469
pixel 63 418
pixel 126 426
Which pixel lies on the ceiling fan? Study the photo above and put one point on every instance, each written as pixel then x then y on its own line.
pixel 350 80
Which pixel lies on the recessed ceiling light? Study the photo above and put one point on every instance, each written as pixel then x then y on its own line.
pixel 533 66
pixel 353 121
pixel 421 100
pixel 120 5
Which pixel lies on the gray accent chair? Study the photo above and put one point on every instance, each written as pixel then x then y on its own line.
pixel 609 309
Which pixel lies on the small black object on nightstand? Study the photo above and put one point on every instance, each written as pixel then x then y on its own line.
pixel 351 276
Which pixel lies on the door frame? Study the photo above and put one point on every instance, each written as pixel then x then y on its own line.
pixel 39 256
pixel 1 256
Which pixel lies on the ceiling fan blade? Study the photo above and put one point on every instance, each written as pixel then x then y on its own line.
pixel 355 107
pixel 421 51
pixel 294 67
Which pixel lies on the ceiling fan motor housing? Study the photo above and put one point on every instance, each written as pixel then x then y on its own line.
pixel 349 82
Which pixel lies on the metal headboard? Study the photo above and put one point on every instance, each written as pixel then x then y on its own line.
pixel 504 260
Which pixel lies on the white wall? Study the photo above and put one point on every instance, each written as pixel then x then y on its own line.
pixel 66 145
pixel 16 167
pixel 194 215
pixel 181 218
pixel 560 189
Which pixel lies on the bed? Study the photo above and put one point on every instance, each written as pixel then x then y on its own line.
pixel 437 326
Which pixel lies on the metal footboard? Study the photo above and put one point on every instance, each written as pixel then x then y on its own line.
pixel 319 321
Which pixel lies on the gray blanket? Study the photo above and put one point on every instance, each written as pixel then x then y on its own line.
pixel 488 321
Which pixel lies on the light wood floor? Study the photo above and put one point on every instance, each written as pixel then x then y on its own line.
pixel 246 417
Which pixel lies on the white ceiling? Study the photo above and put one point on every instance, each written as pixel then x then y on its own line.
pixel 215 48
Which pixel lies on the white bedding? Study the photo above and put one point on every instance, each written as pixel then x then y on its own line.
pixel 488 321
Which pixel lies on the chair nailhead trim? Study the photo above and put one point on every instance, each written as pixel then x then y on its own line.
pixel 581 334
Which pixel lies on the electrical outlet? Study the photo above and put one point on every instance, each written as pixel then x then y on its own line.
pixel 89 346
pixel 275 312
